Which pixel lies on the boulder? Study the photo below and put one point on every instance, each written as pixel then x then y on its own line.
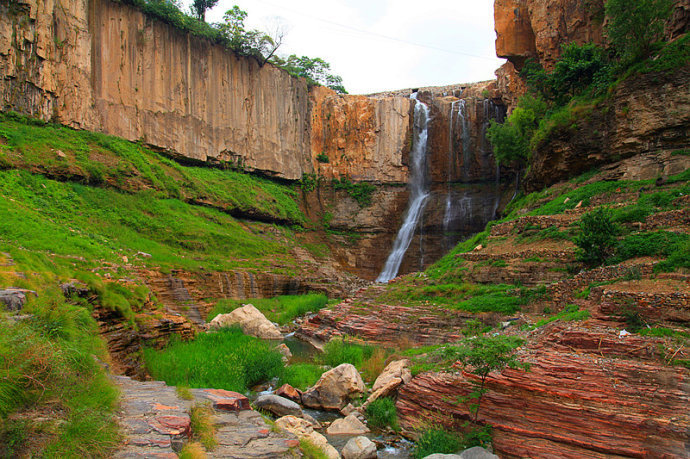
pixel 226 400
pixel 303 430
pixel 393 376
pixel 251 320
pixel 349 409
pixel 334 389
pixel 314 423
pixel 349 425
pixel 359 448
pixel 289 392
pixel 477 452
pixel 278 405
pixel 284 351
pixel 15 298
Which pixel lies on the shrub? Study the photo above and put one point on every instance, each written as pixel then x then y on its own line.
pixel 360 192
pixel 322 158
pixel 382 413
pixel 597 238
pixel 655 243
pixel 436 441
pixel 511 140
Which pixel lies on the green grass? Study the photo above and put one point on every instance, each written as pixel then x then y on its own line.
pixel 281 309
pixel 301 375
pixel 436 441
pixel 382 413
pixel 48 365
pixel 226 359
pixel 653 243
pixel 102 160
pixel 310 450
pixel 71 219
pixel 338 351
pixel 570 313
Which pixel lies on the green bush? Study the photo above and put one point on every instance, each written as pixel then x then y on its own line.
pixel 436 441
pixel 511 140
pixel 597 238
pixel 226 359
pixel 322 158
pixel 382 413
pixel 657 243
pixel 361 192
pixel 633 27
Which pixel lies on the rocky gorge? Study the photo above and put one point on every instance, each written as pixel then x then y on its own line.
pixel 250 206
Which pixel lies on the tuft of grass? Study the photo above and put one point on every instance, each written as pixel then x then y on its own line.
pixel 281 309
pixel 203 429
pixel 192 450
pixel 382 413
pixel 571 313
pixel 436 441
pixel 310 450
pixel 184 393
pixel 226 359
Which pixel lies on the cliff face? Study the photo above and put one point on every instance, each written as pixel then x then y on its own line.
pixel 103 66
pixel 364 138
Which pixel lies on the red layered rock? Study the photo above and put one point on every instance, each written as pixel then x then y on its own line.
pixel 576 400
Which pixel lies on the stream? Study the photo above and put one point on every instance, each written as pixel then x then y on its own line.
pixel 388 445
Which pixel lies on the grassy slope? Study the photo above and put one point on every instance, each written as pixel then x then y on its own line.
pixel 72 201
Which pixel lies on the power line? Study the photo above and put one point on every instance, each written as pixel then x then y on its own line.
pixel 374 34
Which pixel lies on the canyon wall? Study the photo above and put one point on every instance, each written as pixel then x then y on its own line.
pixel 104 66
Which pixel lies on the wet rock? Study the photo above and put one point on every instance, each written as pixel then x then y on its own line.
pixel 15 298
pixel 303 430
pixel 284 351
pixel 278 405
pixel 335 387
pixel 289 392
pixel 251 320
pixel 227 400
pixel 349 425
pixel 75 288
pixel 359 448
pixel 393 376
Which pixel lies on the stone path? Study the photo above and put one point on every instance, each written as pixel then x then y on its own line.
pixel 155 422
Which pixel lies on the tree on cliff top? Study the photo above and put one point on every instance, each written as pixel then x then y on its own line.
pixel 635 26
pixel 199 8
pixel 249 42
pixel 315 70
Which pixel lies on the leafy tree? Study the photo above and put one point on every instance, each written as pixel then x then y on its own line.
pixel 597 238
pixel 199 8
pixel 483 355
pixel 315 70
pixel 634 26
pixel 511 140
pixel 248 42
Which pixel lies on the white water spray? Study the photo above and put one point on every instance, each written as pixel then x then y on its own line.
pixel 419 192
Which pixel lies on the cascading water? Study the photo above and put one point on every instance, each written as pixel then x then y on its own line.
pixel 419 192
pixel 449 199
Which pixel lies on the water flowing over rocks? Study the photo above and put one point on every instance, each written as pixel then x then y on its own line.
pixel 335 387
pixel 251 320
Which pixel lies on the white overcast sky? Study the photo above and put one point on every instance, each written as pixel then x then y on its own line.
pixel 457 38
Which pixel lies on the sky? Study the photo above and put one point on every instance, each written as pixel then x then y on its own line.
pixel 379 45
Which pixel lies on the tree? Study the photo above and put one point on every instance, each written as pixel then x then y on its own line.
pixel 483 355
pixel 511 140
pixel 634 26
pixel 199 8
pixel 597 238
pixel 315 70
pixel 249 42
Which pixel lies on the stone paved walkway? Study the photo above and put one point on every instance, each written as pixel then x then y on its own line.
pixel 155 422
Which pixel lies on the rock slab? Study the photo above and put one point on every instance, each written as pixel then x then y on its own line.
pixel 393 376
pixel 335 387
pixel 278 405
pixel 349 425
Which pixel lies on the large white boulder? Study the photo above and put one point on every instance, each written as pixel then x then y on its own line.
pixel 359 448
pixel 304 430
pixel 348 425
pixel 393 376
pixel 335 388
pixel 250 319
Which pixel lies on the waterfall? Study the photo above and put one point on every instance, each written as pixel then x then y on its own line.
pixel 419 192
pixel 447 216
